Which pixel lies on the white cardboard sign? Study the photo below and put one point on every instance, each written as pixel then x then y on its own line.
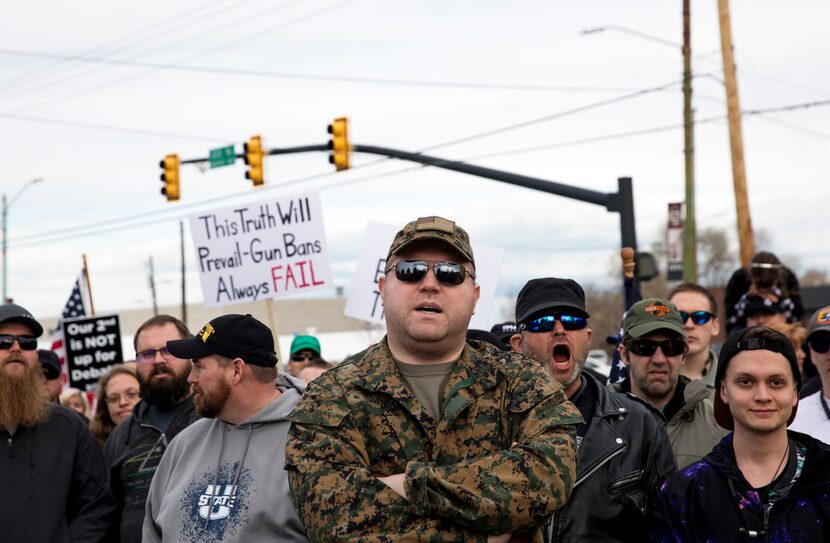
pixel 364 301
pixel 255 251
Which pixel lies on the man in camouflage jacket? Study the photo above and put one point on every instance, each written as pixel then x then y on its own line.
pixel 484 451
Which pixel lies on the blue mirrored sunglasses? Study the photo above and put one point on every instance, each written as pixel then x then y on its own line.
pixel 698 317
pixel 547 322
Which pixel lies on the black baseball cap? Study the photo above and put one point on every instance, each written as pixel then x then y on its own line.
pixel 231 336
pixel 15 313
pixel 50 363
pixel 734 344
pixel 550 293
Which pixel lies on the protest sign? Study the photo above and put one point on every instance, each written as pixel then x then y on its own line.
pixel 364 301
pixel 92 344
pixel 263 250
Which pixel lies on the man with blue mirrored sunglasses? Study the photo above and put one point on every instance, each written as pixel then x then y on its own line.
pixel 624 452
pixel 699 312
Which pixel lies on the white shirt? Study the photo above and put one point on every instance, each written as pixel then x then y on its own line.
pixel 811 418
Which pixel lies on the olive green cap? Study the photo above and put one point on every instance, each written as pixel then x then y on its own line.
pixel 433 228
pixel 652 314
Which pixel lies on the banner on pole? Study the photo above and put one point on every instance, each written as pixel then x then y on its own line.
pixel 674 243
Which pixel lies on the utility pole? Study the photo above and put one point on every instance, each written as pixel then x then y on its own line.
pixel 745 238
pixel 151 281
pixel 689 225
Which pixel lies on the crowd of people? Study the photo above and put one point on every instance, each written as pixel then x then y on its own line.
pixel 436 433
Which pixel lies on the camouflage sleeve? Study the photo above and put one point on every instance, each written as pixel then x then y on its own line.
pixel 514 490
pixel 335 493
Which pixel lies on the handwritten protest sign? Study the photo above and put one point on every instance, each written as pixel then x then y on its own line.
pixel 364 301
pixel 251 252
pixel 92 344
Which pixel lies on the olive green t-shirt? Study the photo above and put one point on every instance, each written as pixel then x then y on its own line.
pixel 427 382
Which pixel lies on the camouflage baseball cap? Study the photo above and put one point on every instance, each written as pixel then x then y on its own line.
pixel 437 228
pixel 652 314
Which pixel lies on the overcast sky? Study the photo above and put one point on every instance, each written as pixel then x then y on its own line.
pixel 93 94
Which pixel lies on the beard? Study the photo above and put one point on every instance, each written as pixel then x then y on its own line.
pixel 209 405
pixel 24 400
pixel 164 393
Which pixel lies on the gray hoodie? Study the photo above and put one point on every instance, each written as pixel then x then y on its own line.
pixel 223 482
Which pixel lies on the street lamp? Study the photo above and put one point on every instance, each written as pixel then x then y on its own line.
pixel 5 210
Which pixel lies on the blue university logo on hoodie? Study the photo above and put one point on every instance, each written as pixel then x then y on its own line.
pixel 214 506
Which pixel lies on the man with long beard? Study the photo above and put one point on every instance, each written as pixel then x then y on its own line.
pixel 166 408
pixel 222 479
pixel 52 472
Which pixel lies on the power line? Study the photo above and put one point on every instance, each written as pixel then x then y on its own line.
pixel 112 128
pixel 197 34
pixel 245 38
pixel 123 42
pixel 314 77
pixel 546 118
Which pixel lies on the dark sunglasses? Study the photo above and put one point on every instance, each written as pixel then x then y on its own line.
pixel 647 347
pixel 447 273
pixel 27 343
pixel 546 323
pixel 820 343
pixel 299 357
pixel 698 317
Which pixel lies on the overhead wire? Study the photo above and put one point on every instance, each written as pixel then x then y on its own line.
pixel 247 37
pixel 316 77
pixel 159 27
pixel 110 224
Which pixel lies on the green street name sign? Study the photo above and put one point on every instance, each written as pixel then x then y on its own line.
pixel 224 156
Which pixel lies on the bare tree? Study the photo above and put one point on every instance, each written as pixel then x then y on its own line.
pixel 717 260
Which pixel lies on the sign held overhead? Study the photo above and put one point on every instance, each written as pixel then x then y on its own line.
pixel 262 250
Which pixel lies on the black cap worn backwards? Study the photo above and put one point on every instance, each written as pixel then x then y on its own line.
pixel 231 336
pixel 734 344
pixel 550 293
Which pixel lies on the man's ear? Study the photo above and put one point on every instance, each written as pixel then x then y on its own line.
pixel 516 342
pixel 623 353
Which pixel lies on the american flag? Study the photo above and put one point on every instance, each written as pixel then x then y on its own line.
pixel 74 307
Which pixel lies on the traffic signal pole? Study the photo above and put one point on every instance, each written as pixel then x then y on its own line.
pixel 621 202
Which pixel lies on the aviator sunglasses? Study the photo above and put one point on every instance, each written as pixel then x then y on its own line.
pixel 547 322
pixel 27 343
pixel 698 317
pixel 447 273
pixel 820 343
pixel 647 347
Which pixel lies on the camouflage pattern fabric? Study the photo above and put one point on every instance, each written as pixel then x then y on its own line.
pixel 501 459
pixel 434 228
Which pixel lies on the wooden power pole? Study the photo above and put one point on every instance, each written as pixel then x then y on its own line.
pixel 745 238
pixel 689 227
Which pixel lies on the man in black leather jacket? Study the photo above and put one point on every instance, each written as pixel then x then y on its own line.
pixel 624 450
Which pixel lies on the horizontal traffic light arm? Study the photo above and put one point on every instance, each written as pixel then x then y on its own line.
pixel 620 202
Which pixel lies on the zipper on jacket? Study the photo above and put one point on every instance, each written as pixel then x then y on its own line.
pixel 555 520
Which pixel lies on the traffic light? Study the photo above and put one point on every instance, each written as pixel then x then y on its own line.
pixel 339 144
pixel 254 159
pixel 171 188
